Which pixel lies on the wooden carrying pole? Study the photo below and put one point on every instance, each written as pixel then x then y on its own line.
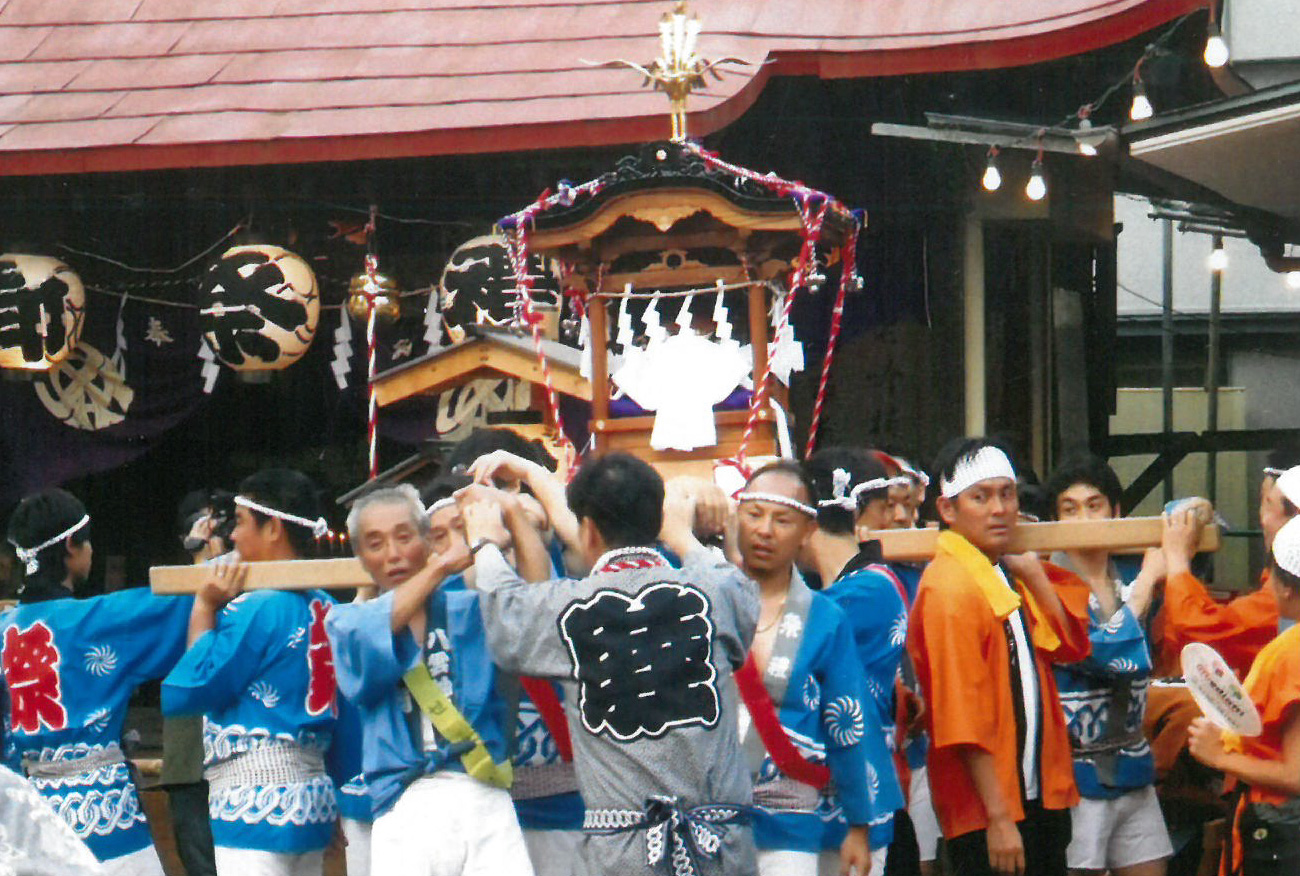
pixel 1126 535
pixel 1121 536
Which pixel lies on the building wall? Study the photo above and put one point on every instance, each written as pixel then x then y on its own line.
pixel 1140 411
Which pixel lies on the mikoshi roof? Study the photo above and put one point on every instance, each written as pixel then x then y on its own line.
pixel 113 85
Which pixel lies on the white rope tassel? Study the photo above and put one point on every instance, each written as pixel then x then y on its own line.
pixel 318 527
pixel 985 464
pixel 841 480
pixel 30 558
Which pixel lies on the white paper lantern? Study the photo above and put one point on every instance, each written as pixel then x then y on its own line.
pixel 260 308
pixel 42 307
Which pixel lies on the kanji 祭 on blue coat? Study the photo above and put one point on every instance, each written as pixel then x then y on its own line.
pixel 264 677
pixel 70 666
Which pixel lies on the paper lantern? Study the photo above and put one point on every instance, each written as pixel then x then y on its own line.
pixel 261 308
pixel 478 285
pixel 42 305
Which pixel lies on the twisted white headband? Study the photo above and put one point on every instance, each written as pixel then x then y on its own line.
pixel 29 556
pixel 439 505
pixel 318 527
pixel 984 464
pixel 748 496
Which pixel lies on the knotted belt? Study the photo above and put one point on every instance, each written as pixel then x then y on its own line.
pixel 675 835
pixel 35 768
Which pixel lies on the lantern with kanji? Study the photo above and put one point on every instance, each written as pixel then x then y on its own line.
pixel 478 288
pixel 260 308
pixel 42 305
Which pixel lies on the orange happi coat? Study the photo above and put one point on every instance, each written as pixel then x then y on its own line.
pixel 1237 629
pixel 959 646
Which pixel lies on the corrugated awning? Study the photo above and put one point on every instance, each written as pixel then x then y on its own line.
pixel 107 85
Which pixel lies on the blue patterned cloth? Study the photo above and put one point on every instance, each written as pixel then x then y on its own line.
pixel 264 677
pixel 371 661
pixel 822 713
pixel 1105 697
pixel 878 618
pixel 70 666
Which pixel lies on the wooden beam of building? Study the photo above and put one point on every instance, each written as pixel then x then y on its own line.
pixel 909 545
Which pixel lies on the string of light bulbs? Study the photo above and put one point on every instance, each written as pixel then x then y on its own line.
pixel 1216 54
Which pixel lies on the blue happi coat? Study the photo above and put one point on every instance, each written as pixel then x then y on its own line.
pixel 817 688
pixel 1105 697
pixel 371 661
pixel 344 765
pixel 877 615
pixel 535 749
pixel 264 676
pixel 917 744
pixel 70 666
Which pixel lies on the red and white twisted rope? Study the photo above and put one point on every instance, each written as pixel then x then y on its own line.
pixel 848 262
pixel 372 347
pixel 515 228
pixel 812 219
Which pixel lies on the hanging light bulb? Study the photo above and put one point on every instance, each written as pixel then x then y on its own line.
pixel 1086 140
pixel 1036 188
pixel 1216 48
pixel 1218 259
pixel 1293 279
pixel 1141 108
pixel 992 179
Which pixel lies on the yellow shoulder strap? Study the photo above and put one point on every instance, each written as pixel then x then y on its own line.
pixel 455 729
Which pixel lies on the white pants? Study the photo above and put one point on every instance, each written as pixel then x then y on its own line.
pixel 140 863
pixel 780 862
pixel 448 824
pixel 254 862
pixel 357 833
pixel 1122 832
pixel 921 810
pixel 554 852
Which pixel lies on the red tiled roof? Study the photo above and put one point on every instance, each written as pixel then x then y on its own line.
pixel 91 85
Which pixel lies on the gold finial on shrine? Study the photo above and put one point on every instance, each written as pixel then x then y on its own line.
pixel 678 71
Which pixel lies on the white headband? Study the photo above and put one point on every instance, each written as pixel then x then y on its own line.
pixel 880 484
pixel 779 500
pixel 1289 483
pixel 1286 546
pixel 28 556
pixel 439 505
pixel 984 464
pixel 318 527
pixel 912 471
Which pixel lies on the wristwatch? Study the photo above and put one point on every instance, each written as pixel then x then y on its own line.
pixel 482 543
